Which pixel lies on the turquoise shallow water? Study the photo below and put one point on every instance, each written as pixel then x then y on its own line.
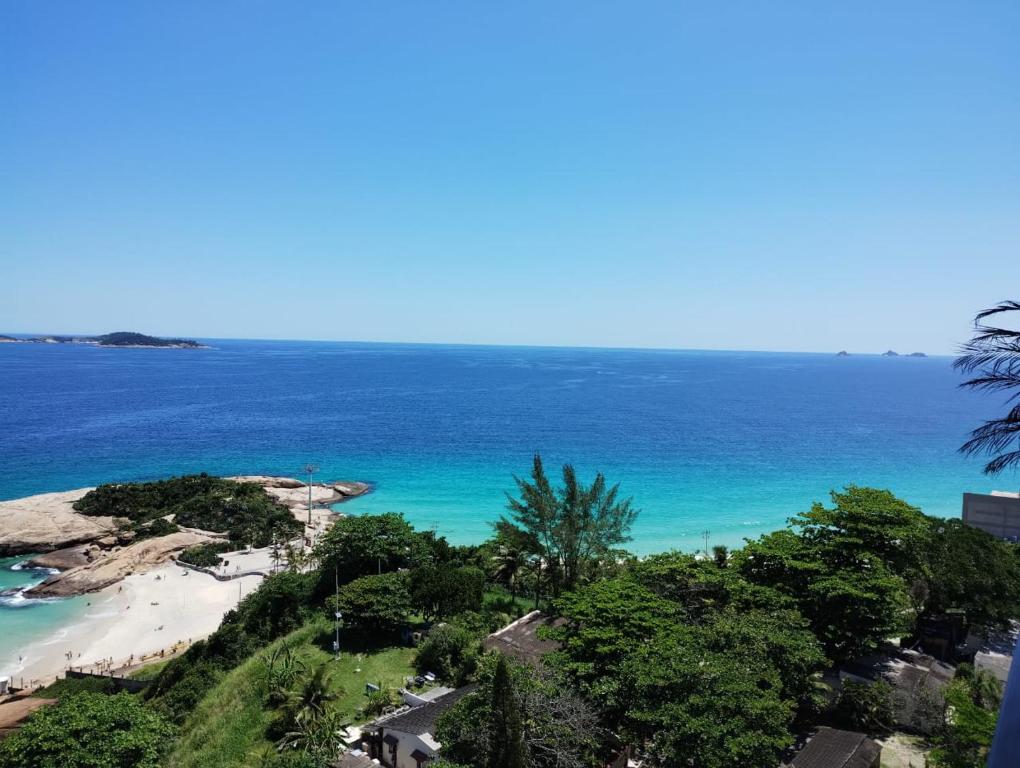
pixel 732 443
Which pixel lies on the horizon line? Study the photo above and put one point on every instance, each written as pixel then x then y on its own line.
pixel 629 348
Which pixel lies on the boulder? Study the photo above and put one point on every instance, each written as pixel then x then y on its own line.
pixel 62 559
pixel 110 567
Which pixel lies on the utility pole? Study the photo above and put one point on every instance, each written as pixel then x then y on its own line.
pixel 706 535
pixel 310 469
pixel 336 613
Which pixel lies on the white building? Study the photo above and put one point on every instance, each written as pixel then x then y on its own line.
pixel 405 738
pixel 997 512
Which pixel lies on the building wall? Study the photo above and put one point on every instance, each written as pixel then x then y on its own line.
pixel 998 515
pixel 409 742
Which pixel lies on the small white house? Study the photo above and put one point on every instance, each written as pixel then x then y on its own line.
pixel 405 738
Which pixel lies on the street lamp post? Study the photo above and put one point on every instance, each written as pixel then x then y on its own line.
pixel 310 469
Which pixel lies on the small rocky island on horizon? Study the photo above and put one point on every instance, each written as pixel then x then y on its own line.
pixel 115 339
pixel 890 353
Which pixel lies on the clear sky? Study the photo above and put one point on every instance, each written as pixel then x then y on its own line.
pixel 749 175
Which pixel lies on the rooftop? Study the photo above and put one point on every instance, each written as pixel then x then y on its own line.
pixel 520 638
pixel 421 719
pixel 833 748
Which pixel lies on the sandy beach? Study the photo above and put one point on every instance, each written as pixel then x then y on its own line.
pixel 144 614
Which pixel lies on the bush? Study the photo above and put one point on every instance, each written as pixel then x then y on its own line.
pixel 378 702
pixel 87 730
pixel 205 555
pixel 866 707
pixel 440 591
pixel 151 530
pixel 374 603
pixel 450 652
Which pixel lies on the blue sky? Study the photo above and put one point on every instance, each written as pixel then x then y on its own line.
pixel 787 176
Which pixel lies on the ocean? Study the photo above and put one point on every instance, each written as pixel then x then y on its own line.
pixel 732 443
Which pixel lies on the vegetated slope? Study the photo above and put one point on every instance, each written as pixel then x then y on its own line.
pixel 229 726
pixel 244 511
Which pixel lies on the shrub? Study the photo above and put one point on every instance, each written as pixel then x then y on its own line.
pixel 866 707
pixel 374 603
pixel 450 652
pixel 86 730
pixel 205 555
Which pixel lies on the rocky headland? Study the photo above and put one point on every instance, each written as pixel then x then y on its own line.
pixel 95 552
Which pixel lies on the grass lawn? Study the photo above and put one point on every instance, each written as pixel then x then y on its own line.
pixel 231 720
pixel 149 671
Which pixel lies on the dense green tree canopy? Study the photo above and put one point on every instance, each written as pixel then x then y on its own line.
pixel 360 545
pixel 705 708
pixel 89 730
pixel 605 622
pixel 865 569
pixel 692 659
pixel 440 591
pixel 970 570
pixel 376 603
pixel 244 511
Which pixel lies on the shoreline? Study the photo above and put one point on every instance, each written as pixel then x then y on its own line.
pixel 159 608
pixel 162 611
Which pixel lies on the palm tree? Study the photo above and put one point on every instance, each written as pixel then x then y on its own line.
pixel 993 355
pixel 311 702
pixel 507 564
pixel 321 739
pixel 282 670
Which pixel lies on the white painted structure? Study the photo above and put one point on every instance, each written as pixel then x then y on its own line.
pixel 997 512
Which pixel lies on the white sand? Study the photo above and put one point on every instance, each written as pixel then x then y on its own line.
pixel 123 624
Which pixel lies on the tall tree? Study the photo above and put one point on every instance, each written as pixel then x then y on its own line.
pixel 992 357
pixel 506 731
pixel 573 527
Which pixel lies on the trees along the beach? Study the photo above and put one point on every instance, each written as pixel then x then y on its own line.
pixel 89 729
pixel 710 709
pixel 690 658
pixel 866 568
pixel 573 528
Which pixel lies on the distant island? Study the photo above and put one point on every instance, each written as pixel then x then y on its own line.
pixel 116 339
pixel 890 353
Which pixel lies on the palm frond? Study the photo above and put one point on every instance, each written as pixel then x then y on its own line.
pixel 993 354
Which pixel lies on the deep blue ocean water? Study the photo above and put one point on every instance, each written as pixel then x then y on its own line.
pixel 733 443
pixel 729 442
